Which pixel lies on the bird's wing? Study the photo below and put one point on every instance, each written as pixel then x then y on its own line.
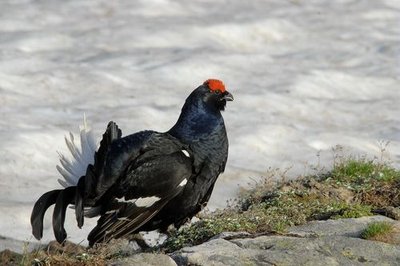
pixel 149 182
pixel 111 162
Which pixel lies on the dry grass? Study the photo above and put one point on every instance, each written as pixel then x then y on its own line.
pixel 68 254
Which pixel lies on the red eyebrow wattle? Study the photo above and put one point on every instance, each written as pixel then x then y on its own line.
pixel 215 85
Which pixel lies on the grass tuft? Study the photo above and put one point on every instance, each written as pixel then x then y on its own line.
pixel 382 232
pixel 376 229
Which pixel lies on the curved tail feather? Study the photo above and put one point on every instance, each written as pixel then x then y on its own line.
pixel 41 205
pixel 79 195
pixel 83 189
pixel 65 197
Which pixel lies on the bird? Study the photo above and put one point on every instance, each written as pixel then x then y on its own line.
pixel 144 181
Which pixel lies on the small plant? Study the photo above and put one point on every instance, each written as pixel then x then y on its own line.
pixel 362 171
pixel 379 231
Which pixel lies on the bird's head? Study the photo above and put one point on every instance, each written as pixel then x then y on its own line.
pixel 213 93
pixel 201 114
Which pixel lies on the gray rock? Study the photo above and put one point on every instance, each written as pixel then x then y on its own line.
pixel 284 250
pixel 145 259
pixel 119 247
pixel 225 235
pixel 332 242
pixel 327 250
pixel 392 212
pixel 213 252
pixel 351 227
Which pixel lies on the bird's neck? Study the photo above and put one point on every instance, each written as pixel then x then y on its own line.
pixel 196 121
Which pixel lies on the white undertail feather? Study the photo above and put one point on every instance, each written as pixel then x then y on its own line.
pixel 82 156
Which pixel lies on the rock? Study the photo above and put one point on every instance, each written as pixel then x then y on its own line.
pixel 332 242
pixel 285 250
pixel 327 250
pixel 351 227
pixel 392 212
pixel 145 259
pixel 213 252
pixel 228 235
pixel 118 248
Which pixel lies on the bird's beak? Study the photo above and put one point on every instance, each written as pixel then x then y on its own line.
pixel 227 96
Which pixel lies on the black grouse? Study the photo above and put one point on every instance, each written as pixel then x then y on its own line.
pixel 144 181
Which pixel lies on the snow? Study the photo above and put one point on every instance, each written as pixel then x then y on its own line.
pixel 306 76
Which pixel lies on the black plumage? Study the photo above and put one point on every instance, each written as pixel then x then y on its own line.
pixel 147 180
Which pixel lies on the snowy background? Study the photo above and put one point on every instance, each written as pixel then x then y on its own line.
pixel 306 75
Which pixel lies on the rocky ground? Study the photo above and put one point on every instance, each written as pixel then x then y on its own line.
pixel 329 218
pixel 331 242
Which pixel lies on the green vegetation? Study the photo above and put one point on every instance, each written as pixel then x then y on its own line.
pixel 377 229
pixel 371 181
pixel 353 188
pixel 383 232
